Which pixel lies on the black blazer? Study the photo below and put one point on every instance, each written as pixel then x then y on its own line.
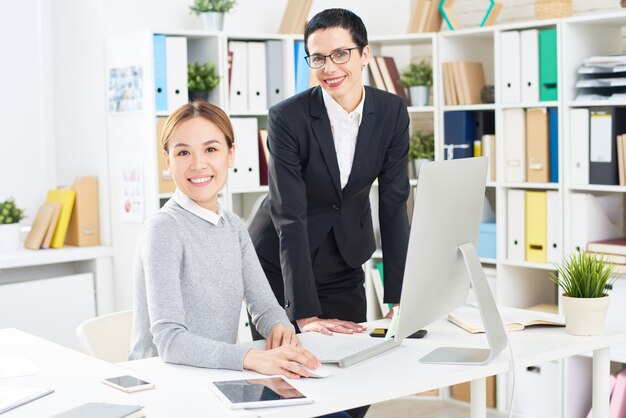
pixel 305 199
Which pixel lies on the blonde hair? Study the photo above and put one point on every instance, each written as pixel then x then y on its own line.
pixel 202 109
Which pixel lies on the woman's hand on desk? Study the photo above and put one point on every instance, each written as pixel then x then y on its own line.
pixel 283 360
pixel 281 335
pixel 328 326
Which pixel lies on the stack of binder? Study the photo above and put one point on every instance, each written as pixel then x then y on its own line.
pixel 529 66
pixel 463 128
pixel 170 72
pixel 602 78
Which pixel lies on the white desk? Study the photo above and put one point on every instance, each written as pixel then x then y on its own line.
pixel 391 375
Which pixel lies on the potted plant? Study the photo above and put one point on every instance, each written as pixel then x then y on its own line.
pixel 201 80
pixel 212 12
pixel 421 148
pixel 583 278
pixel 10 216
pixel 418 78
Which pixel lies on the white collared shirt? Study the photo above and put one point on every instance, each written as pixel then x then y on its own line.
pixel 345 129
pixel 189 205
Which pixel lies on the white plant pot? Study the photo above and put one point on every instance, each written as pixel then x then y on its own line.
pixel 417 163
pixel 212 21
pixel 9 237
pixel 585 316
pixel 419 95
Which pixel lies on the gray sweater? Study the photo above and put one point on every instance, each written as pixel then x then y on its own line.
pixel 190 278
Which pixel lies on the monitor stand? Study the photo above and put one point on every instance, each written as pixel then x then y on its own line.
pixel 494 328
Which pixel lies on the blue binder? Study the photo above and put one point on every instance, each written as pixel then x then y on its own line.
pixel 553 138
pixel 458 134
pixel 301 67
pixel 160 74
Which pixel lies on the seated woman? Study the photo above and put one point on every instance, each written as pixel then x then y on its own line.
pixel 195 263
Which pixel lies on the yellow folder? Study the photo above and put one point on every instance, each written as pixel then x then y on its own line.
pixel 66 197
pixel 536 227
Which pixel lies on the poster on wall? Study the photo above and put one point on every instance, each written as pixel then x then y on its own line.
pixel 131 200
pixel 125 89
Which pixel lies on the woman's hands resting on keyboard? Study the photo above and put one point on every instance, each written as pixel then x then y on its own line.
pixel 328 326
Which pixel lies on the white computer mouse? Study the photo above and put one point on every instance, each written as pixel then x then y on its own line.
pixel 320 372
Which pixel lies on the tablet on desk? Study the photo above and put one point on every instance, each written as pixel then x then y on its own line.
pixel 258 393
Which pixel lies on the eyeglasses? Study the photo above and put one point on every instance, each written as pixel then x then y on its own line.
pixel 340 56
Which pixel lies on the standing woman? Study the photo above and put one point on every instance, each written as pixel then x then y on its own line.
pixel 328 145
pixel 195 263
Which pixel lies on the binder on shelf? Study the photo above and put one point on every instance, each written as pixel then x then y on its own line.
pixel 620 160
pixel 594 218
pixel 548 78
pixel 40 226
pixel 263 160
pixel 166 183
pixel 489 151
pixel 458 134
pixel 484 124
pixel 160 73
pixel 553 228
pixel 176 71
pixel 66 197
pixel 239 73
pixel 510 56
pixel 257 79
pixel 302 68
pixel 536 227
pixel 537 145
pixel 553 139
pixel 275 72
pixel 579 137
pixel 516 225
pixel 515 145
pixel 84 226
pixel 473 81
pixel 604 125
pixel 245 172
pixel 529 40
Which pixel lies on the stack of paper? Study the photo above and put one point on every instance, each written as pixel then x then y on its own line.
pixel 602 77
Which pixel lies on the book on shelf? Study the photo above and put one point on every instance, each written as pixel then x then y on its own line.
pixel 294 16
pixel 468 318
pixel 615 246
pixel 41 224
pixel 103 410
pixel 610 258
pixel 14 396
pixel 47 239
pixel 463 82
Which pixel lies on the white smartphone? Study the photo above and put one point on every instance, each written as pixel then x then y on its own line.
pixel 128 383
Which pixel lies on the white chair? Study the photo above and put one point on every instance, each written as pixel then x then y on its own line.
pixel 107 337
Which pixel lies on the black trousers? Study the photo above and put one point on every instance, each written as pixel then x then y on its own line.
pixel 339 289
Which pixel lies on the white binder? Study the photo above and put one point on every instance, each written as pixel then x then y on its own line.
pixel 516 225
pixel 579 134
pixel 239 76
pixel 530 66
pixel 257 79
pixel 553 227
pixel 244 175
pixel 275 72
pixel 510 65
pixel 176 71
pixel 595 217
pixel 515 145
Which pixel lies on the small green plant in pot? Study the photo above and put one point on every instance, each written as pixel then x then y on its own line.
pixel 212 12
pixel 421 148
pixel 10 216
pixel 583 278
pixel 201 80
pixel 418 78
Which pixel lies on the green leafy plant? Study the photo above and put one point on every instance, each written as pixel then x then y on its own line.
pixel 202 6
pixel 9 213
pixel 583 275
pixel 418 75
pixel 201 77
pixel 422 145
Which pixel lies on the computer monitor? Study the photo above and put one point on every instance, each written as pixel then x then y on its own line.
pixel 442 260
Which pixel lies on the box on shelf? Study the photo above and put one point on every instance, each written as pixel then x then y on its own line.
pixel 487 240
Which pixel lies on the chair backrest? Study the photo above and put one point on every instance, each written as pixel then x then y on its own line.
pixel 107 337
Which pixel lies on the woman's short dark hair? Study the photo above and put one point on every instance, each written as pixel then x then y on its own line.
pixel 337 18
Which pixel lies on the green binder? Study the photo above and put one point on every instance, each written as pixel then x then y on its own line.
pixel 548 83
